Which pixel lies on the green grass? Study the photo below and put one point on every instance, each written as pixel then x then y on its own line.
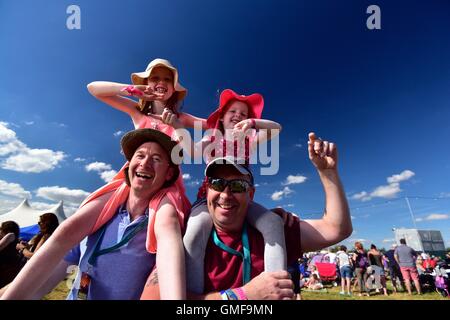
pixel 332 293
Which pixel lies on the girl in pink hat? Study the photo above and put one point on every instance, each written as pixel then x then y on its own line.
pixel 230 135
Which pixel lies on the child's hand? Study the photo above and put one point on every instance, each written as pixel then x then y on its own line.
pixel 323 154
pixel 148 94
pixel 244 125
pixel 170 118
pixel 241 128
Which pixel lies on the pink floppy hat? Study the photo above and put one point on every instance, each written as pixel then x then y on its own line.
pixel 255 103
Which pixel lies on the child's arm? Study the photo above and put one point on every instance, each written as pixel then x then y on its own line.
pixel 170 253
pixel 189 120
pixel 70 232
pixel 267 129
pixel 114 95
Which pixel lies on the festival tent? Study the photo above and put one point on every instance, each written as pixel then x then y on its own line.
pixel 27 217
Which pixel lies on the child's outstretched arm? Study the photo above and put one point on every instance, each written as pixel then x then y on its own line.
pixel 267 129
pixel 116 95
pixel 170 253
pixel 40 267
pixel 189 121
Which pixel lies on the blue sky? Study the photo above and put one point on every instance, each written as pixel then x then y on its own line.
pixel 382 95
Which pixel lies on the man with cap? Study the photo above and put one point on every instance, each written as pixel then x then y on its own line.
pixel 234 254
pixel 114 263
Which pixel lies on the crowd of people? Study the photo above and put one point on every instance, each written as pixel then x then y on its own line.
pixel 366 273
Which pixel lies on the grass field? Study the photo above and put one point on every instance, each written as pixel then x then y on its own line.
pixel 331 293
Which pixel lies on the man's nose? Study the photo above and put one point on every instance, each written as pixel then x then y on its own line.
pixel 226 192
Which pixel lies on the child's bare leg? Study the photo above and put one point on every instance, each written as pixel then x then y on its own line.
pixel 198 230
pixel 271 227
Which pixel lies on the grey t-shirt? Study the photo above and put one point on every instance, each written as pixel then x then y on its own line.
pixel 406 256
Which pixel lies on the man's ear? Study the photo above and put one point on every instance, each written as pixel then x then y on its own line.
pixel 170 173
pixel 252 192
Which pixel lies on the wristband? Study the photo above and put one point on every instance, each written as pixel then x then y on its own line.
pixel 253 123
pixel 231 295
pixel 223 295
pixel 132 90
pixel 240 293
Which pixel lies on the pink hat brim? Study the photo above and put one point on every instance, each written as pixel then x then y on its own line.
pixel 254 101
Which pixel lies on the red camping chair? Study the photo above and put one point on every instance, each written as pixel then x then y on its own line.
pixel 327 271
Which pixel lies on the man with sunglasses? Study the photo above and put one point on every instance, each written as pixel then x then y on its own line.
pixel 234 255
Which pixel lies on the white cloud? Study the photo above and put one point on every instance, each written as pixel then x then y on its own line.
pixel 445 195
pixel 29 123
pixel 294 179
pixel 56 193
pixel 103 169
pixel 98 166
pixel 389 191
pixel 278 195
pixel 108 175
pixel 33 160
pixel 23 159
pixel 405 175
pixel 79 160
pixel 386 191
pixel 118 133
pixel 388 240
pixel 352 217
pixel 194 183
pixel 298 145
pixel 434 216
pixel 13 189
pixel 353 240
pixel 363 196
pixel 186 176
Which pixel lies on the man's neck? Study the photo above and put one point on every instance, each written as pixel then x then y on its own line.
pixel 137 205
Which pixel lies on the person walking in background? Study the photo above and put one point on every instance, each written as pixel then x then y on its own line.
pixel 360 262
pixel 405 257
pixel 345 268
pixel 394 269
pixel 375 258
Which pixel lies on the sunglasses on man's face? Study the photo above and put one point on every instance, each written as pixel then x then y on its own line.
pixel 235 185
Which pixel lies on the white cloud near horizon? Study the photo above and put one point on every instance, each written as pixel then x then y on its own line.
pixel 386 191
pixel 13 190
pixel 19 157
pixel 56 193
pixel 118 133
pixel 278 195
pixel 291 179
pixel 434 216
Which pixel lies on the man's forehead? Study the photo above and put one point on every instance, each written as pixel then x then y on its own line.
pixel 152 147
pixel 227 171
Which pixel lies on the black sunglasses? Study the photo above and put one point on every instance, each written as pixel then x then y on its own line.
pixel 235 185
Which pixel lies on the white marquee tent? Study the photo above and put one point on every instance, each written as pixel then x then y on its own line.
pixel 24 215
